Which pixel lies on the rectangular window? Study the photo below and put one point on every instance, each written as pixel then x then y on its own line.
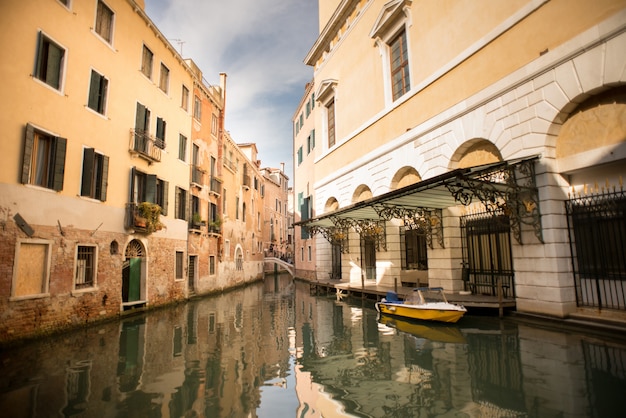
pixel 310 253
pixel 414 255
pixel 44 159
pixel 149 188
pixel 181 204
pixel 197 108
pixel 85 266
pixel 184 100
pixel 237 207
pixel 399 59
pixel 214 125
pixel 179 265
pixel 299 155
pixel 32 268
pixel 164 80
pixel 146 62
pixel 98 92
pixel 224 201
pixel 182 147
pixel 104 22
pixel 95 175
pixel 211 265
pixel 330 113
pixel 49 62
pixel 160 133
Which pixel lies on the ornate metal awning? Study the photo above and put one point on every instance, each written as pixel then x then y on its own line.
pixel 507 186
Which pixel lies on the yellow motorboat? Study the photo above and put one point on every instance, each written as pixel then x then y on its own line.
pixel 426 303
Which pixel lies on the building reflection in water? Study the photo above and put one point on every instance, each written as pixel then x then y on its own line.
pixel 277 350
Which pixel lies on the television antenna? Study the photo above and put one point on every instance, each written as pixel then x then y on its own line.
pixel 180 43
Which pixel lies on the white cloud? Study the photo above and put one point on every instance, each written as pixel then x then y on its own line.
pixel 260 45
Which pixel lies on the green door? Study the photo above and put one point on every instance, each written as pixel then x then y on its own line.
pixel 134 280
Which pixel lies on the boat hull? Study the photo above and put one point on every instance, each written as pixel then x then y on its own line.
pixel 421 312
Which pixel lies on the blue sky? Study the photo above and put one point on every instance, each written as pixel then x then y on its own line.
pixel 261 46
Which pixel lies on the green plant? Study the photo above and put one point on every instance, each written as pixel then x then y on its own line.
pixel 151 212
pixel 196 218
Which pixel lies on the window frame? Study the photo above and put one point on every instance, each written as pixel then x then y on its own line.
pixel 100 96
pixel 94 267
pixel 94 174
pixel 147 61
pixel 394 19
pixel 45 273
pixel 184 98
pixel 179 265
pixel 97 28
pixel 180 204
pixel 152 189
pixel 399 40
pixel 164 78
pixel 42 60
pixel 182 147
pixel 197 108
pixel 55 159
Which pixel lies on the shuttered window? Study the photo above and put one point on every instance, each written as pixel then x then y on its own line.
pixel 95 175
pixel 44 159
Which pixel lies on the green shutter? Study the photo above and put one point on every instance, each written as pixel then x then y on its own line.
pixel 105 178
pixel 165 202
pixel 94 91
pixel 60 145
pixel 87 178
pixel 29 141
pixel 131 192
pixel 151 188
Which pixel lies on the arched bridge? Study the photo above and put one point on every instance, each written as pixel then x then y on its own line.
pixel 289 267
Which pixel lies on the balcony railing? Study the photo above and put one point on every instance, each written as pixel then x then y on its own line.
pixel 216 185
pixel 197 175
pixel 143 217
pixel 145 145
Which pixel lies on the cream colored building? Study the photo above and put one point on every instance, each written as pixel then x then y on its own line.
pixel 105 128
pixel 305 152
pixel 465 144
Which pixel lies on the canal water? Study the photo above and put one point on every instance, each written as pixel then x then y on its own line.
pixel 273 349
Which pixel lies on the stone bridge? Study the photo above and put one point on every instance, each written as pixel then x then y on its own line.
pixel 289 267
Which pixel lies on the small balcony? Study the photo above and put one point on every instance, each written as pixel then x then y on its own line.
pixel 144 217
pixel 197 176
pixel 216 186
pixel 246 181
pixel 145 146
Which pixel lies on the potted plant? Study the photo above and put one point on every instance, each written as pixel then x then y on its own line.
pixel 148 216
pixel 196 221
pixel 214 225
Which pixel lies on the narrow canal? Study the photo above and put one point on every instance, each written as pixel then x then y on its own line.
pixel 274 350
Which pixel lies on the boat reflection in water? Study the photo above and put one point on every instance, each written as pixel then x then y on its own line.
pixel 431 331
pixel 275 349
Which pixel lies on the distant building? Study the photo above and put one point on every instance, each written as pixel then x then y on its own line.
pixel 276 223
pixel 462 149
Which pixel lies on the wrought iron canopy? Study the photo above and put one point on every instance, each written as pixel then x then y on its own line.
pixel 506 185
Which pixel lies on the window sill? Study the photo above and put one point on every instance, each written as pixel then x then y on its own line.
pixel 28 297
pixel 80 292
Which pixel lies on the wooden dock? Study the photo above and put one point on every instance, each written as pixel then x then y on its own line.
pixel 377 292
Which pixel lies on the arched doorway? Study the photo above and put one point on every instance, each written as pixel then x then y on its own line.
pixel 133 273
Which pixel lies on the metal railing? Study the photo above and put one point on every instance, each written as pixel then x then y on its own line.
pixel 197 175
pixel 597 232
pixel 145 145
pixel 216 185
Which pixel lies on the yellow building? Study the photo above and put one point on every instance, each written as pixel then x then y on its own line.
pixel 467 144
pixel 305 152
pixel 111 151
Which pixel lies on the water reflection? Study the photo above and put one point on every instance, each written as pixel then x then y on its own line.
pixel 274 349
